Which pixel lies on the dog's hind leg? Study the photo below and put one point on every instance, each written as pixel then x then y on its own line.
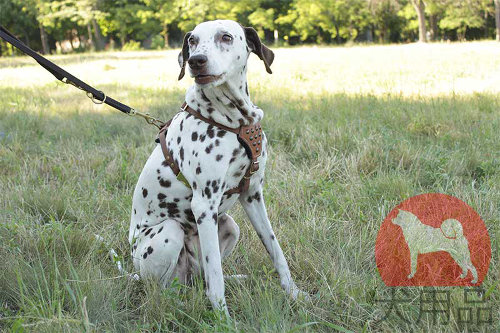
pixel 156 251
pixel 253 204
pixel 229 233
pixel 473 271
pixel 414 260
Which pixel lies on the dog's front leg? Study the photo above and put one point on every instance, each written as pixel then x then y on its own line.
pixel 205 213
pixel 253 204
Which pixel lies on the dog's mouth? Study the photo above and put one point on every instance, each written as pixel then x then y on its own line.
pixel 204 79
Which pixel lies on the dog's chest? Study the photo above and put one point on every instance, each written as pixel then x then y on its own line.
pixel 211 158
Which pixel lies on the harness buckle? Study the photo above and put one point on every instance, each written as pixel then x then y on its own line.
pixel 254 169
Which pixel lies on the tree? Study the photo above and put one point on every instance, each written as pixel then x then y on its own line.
pixel 497 19
pixel 385 19
pixel 420 9
pixel 166 12
pixel 462 15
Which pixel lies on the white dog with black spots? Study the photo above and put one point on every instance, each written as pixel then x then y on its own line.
pixel 178 231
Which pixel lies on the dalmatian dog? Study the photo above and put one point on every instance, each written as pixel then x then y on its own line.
pixel 178 231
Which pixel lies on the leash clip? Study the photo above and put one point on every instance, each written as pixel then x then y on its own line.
pixel 149 119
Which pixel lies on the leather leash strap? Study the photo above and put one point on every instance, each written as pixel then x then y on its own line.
pixel 97 96
pixel 250 138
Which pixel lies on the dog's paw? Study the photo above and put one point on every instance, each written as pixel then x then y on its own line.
pixel 298 294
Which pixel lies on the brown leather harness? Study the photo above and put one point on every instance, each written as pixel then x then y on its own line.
pixel 250 137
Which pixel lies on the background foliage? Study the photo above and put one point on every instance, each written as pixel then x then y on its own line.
pixel 78 25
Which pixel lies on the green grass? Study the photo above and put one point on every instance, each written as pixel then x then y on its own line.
pixel 352 132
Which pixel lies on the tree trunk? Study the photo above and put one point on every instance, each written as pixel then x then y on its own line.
pixel 420 8
pixel 433 20
pixel 99 39
pixel 44 39
pixel 497 18
pixel 165 35
pixel 91 40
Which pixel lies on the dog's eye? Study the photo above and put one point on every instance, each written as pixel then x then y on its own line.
pixel 191 41
pixel 227 38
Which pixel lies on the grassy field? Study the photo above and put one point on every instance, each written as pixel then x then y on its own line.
pixel 352 132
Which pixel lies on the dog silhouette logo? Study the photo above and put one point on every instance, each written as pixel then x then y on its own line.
pixel 433 240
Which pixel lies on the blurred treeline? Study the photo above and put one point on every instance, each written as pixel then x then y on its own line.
pixel 61 26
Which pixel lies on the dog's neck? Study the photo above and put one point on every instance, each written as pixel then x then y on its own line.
pixel 228 104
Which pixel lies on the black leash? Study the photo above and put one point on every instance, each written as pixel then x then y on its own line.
pixel 97 96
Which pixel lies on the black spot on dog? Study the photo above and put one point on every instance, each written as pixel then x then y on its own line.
pixel 209 148
pixel 198 170
pixel 218 157
pixel 237 174
pixel 145 255
pixel 161 196
pixel 194 136
pixel 150 250
pixel 166 240
pixel 208 193
pixel 214 216
pixel 182 122
pixel 181 153
pixel 272 237
pixel 189 215
pixel 162 214
pixel 149 212
pixel 160 230
pixel 210 131
pixel 221 133
pixel 205 98
pixel 152 235
pixel 135 212
pixel 144 192
pixel 148 231
pixel 176 199
pixel 178 139
pixel 202 216
pixel 202 137
pixel 210 110
pixel 165 183
pixel 195 186
pixel 229 119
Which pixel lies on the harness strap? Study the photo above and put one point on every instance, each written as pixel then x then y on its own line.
pixel 250 137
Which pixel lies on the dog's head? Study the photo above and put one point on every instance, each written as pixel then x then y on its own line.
pixel 217 50
pixel 403 218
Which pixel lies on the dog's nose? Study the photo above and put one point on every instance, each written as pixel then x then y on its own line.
pixel 197 61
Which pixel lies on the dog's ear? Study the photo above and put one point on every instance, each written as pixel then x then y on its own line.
pixel 184 55
pixel 254 43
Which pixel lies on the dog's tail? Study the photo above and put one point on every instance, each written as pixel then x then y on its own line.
pixel 452 229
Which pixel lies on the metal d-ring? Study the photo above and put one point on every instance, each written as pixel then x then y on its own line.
pixel 94 99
